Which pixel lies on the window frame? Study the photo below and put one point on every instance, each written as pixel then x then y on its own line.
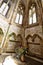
pixel 20 12
pixel 6 8
pixel 36 23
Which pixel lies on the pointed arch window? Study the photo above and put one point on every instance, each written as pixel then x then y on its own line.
pixel 32 15
pixel 4 8
pixel 19 16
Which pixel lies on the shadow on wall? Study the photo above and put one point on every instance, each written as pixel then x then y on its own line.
pixel 1 35
pixel 20 38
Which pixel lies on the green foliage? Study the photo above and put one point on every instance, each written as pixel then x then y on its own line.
pixel 20 50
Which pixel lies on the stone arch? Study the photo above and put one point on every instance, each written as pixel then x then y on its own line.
pixel 31 2
pixel 38 7
pixel 20 38
pixel 22 4
pixel 12 34
pixel 36 35
pixel 10 44
pixel 29 36
pixel 36 2
pixel 19 35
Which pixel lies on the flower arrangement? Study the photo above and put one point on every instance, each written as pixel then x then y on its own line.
pixel 20 52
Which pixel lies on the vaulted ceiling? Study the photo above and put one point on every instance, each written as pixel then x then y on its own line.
pixel 27 1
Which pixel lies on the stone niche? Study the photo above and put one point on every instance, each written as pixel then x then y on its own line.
pixel 34 46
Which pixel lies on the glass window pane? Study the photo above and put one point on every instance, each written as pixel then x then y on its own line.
pixel 34 18
pixel 30 12
pixel 32 15
pixel 30 20
pixel 17 18
pixel 21 18
pixel 5 11
pixel 33 9
pixel 2 7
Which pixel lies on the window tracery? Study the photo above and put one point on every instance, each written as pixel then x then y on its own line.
pixel 32 15
pixel 19 16
pixel 4 7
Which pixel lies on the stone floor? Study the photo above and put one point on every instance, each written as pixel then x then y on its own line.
pixel 28 61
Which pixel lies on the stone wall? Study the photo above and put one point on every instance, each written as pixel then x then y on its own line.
pixel 9 46
pixel 34 40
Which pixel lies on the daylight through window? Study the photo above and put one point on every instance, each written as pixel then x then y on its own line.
pixel 32 15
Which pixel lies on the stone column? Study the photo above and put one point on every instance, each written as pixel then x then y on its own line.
pixel 11 11
pixel 15 11
pixel 25 23
pixel 41 48
pixel 42 30
pixel 25 20
pixel 40 13
pixel 10 21
pixel 42 20
pixel 8 15
pixel 42 16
